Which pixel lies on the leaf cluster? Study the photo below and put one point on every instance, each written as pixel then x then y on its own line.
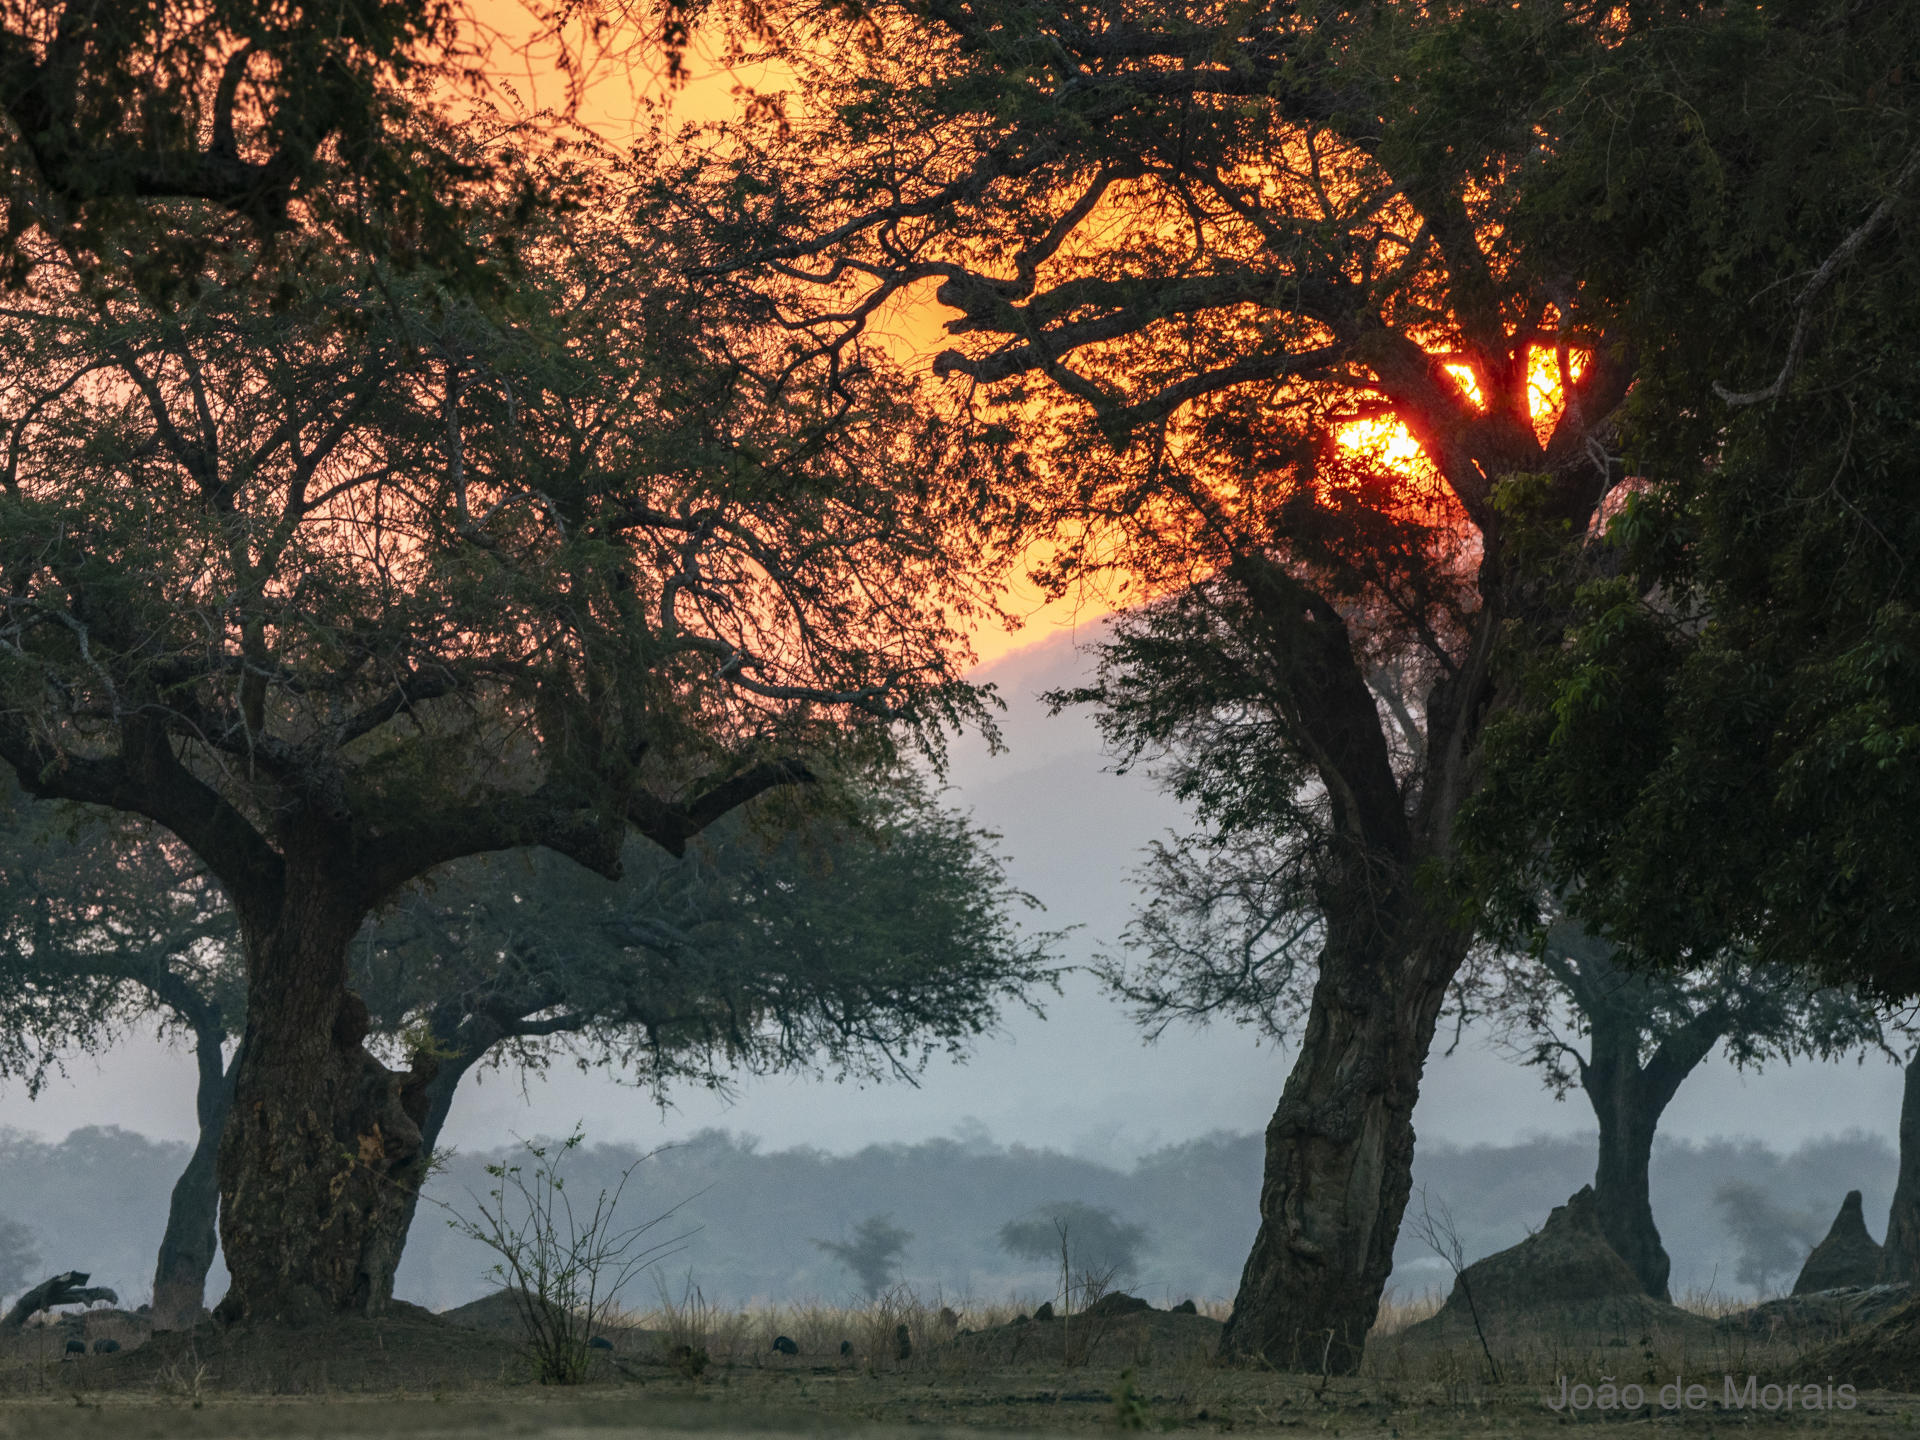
pixel 863 939
pixel 1721 755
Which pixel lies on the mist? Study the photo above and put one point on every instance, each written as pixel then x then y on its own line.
pixel 1074 1106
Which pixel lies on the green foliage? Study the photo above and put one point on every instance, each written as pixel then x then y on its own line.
pixel 597 554
pixel 1722 752
pixel 863 937
pixel 872 1254
pixel 110 922
pixel 278 125
pixel 1570 989
pixel 1131 1411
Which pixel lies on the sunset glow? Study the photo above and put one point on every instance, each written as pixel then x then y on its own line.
pixel 1390 443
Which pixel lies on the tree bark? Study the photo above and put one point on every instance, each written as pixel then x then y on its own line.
pixel 460 1044
pixel 192 1236
pixel 1628 1116
pixel 322 1153
pixel 1629 1090
pixel 1339 1153
pixel 1900 1260
pixel 437 1097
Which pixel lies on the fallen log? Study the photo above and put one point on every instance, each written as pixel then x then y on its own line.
pixel 68 1289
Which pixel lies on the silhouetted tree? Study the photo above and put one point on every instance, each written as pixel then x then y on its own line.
pixel 280 124
pixel 1629 1035
pixel 860 939
pixel 1097 1242
pixel 873 1254
pixel 1721 752
pixel 343 578
pixel 1178 250
pixel 1773 1241
pixel 114 925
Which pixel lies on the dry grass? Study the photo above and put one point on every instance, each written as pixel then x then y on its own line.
pixel 871 1332
pixel 1398 1311
pixel 1156 1373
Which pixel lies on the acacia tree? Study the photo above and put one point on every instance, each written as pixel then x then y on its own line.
pixel 873 1254
pixel 1629 1035
pixel 859 937
pixel 111 927
pixel 1180 247
pixel 339 577
pixel 272 122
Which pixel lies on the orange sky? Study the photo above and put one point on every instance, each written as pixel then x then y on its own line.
pixel 626 93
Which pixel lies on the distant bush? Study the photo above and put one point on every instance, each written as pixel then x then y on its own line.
pixel 1097 1241
pixel 873 1254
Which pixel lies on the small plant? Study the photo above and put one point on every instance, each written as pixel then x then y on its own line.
pixel 1442 1237
pixel 180 1383
pixel 562 1268
pixel 1130 1411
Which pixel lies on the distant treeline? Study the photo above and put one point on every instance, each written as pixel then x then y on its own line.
pixel 97 1201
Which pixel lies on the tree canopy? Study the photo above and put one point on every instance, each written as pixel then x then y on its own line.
pixel 108 925
pixel 1181 250
pixel 862 937
pixel 1723 752
pixel 340 569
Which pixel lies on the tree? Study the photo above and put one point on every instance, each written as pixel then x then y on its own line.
pixel 1181 248
pixel 860 939
pixel 275 123
pixel 112 926
pixel 1773 1241
pixel 873 1254
pixel 346 578
pixel 1087 1240
pixel 1722 751
pixel 1644 1032
pixel 1219 937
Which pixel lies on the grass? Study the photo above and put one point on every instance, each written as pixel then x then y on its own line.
pixel 1410 1384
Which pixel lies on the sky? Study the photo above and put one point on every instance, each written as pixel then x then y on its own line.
pixel 1081 1080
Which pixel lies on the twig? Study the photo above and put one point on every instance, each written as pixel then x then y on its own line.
pixel 1443 1239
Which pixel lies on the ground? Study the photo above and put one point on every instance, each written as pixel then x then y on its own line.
pixel 416 1374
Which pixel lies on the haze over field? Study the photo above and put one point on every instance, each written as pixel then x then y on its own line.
pixel 1075 1106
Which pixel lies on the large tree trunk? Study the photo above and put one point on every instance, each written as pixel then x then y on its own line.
pixel 1628 1117
pixel 192 1236
pixel 1339 1164
pixel 437 1102
pixel 322 1154
pixel 1900 1260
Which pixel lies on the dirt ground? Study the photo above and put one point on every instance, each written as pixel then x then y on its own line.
pixel 416 1374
